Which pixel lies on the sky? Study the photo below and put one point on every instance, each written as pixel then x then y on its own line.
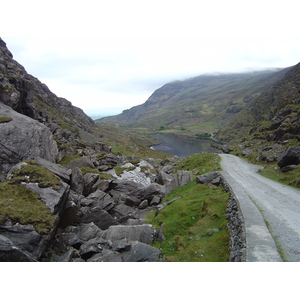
pixel 107 56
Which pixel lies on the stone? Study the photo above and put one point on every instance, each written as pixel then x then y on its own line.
pixel 288 168
pixel 58 170
pixel 132 201
pixel 55 200
pixel 155 200
pixel 91 247
pixel 290 156
pixel 10 253
pixel 90 180
pixel 144 204
pixel 140 252
pixel 77 182
pixel 23 138
pixel 247 152
pixel 83 162
pixel 207 178
pixel 142 233
pixel 100 217
pixel 99 199
pixel 106 256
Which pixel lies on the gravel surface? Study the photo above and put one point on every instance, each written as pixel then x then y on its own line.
pixel 278 204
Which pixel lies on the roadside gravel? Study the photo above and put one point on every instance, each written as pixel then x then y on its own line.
pixel 262 202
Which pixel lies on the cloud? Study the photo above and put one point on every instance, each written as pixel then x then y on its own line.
pixel 111 55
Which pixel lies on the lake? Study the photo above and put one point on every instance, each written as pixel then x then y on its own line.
pixel 181 146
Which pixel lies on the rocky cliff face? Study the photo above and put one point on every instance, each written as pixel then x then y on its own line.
pixel 28 96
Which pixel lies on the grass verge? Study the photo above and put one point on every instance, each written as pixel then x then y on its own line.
pixel 195 225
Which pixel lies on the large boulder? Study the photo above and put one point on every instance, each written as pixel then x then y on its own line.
pixel 207 178
pixel 23 138
pixel 290 156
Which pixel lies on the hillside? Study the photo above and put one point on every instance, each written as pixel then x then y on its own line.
pixel 273 116
pixel 204 103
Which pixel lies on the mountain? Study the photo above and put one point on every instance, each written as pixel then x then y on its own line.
pixel 206 102
pixel 272 116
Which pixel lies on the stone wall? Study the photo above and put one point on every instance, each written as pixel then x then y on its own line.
pixel 235 226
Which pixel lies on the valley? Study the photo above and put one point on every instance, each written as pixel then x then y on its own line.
pixel 75 190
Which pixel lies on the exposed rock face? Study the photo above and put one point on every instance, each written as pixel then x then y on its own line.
pixel 23 138
pixel 28 96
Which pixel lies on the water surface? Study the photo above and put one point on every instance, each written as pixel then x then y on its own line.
pixel 180 145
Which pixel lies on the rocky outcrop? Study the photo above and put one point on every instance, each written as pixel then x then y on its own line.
pixel 28 96
pixel 23 138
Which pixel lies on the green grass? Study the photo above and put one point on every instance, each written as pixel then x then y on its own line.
pixel 5 119
pixel 21 205
pixel 291 178
pixel 32 172
pixel 200 163
pixel 195 225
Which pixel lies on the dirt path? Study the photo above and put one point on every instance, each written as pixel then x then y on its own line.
pixel 262 202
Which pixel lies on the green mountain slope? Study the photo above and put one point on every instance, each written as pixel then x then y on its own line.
pixel 273 116
pixel 203 103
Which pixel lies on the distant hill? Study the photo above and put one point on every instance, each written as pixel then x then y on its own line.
pixel 204 103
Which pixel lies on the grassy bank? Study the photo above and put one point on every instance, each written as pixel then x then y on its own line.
pixel 194 225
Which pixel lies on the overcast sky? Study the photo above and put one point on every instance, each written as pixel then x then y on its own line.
pixel 107 56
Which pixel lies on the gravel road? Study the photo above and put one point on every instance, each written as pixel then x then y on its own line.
pixel 275 204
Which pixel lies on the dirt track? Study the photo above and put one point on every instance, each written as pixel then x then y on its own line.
pixel 279 206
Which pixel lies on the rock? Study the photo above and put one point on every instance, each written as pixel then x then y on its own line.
pixel 106 256
pixel 226 149
pixel 143 204
pixel 120 245
pixel 121 212
pixel 125 186
pixel 288 168
pixel 99 199
pixel 23 138
pixel 67 257
pixel 55 200
pixel 181 178
pixel 142 233
pixel 92 247
pixel 77 182
pixel 83 162
pixel 10 253
pixel 140 252
pixel 71 215
pixel 90 180
pixel 132 201
pixel 247 152
pixel 58 170
pixel 88 231
pixel 147 193
pixel 100 217
pixel 207 178
pixel 155 200
pixel 216 181
pixel 290 156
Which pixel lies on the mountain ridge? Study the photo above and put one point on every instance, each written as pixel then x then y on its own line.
pixel 197 100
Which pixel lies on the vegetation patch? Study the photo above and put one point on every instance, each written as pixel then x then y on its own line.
pixel 195 225
pixel 291 178
pixel 21 205
pixel 200 163
pixel 33 172
pixel 5 120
